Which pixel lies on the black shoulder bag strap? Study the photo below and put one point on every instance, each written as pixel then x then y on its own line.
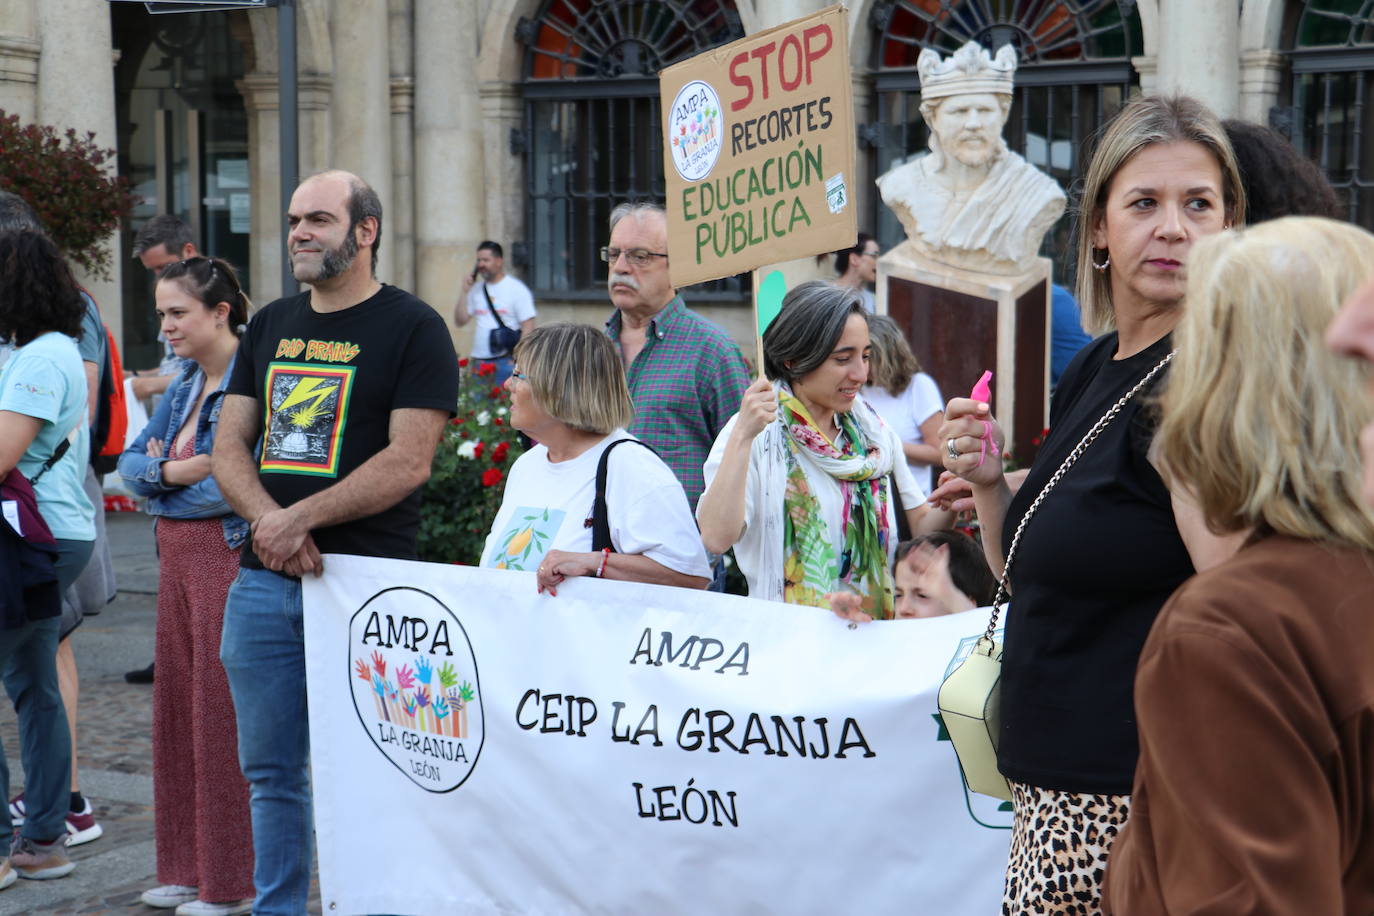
pixel 53 459
pixel 598 522
pixel 491 307
pixel 903 526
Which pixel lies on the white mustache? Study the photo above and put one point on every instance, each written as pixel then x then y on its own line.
pixel 622 280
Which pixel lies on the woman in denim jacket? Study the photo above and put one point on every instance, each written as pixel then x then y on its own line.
pixel 204 838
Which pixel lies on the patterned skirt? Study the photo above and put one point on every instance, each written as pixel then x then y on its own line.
pixel 1059 847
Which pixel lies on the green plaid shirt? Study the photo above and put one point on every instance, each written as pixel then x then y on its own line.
pixel 685 384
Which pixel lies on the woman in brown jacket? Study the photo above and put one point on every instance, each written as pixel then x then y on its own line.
pixel 1254 693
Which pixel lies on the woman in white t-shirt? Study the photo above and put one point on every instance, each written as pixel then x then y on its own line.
pixel 906 398
pixel 568 393
pixel 800 481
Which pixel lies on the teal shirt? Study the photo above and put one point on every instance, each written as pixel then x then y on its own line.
pixel 45 379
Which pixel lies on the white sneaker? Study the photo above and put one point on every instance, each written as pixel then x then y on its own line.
pixel 81 825
pixel 204 908
pixel 169 895
pixel 7 874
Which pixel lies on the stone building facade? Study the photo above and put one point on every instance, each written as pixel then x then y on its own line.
pixel 524 120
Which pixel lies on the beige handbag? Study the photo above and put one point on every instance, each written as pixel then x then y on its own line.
pixel 970 697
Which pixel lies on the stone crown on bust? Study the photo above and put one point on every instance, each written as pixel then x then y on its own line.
pixel 968 70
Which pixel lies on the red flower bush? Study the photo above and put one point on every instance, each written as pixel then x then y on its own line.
pixel 466 483
pixel 71 185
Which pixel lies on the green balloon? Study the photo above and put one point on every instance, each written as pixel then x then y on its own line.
pixel 769 298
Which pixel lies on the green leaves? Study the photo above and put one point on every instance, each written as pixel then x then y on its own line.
pixel 71 185
pixel 458 509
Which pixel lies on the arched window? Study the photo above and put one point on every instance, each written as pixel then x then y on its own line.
pixel 1074 74
pixel 1330 45
pixel 593 135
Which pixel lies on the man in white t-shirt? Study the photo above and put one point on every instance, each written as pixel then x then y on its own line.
pixel 497 294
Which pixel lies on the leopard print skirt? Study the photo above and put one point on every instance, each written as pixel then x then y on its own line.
pixel 1059 846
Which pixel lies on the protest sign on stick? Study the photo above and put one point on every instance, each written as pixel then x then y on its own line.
pixel 759 152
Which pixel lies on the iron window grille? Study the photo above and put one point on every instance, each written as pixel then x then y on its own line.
pixel 593 130
pixel 1074 73
pixel 1330 47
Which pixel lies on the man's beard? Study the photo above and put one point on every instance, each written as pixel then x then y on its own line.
pixel 335 261
pixel 975 155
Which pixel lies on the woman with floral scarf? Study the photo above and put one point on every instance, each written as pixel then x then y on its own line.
pixel 801 481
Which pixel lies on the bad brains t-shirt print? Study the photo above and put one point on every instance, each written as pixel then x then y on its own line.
pixel 326 384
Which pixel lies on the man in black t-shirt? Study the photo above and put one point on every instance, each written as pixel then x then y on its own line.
pixel 348 385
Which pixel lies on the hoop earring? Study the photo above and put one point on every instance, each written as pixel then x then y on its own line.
pixel 1107 262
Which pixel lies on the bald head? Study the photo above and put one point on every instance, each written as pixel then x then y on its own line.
pixel 360 201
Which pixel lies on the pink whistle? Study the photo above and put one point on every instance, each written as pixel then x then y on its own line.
pixel 982 391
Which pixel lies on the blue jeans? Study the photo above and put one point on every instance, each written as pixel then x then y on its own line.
pixel 263 651
pixel 717 572
pixel 28 658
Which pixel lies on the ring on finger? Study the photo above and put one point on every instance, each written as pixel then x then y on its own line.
pixel 951 450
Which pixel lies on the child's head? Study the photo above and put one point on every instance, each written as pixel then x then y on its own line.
pixel 941 573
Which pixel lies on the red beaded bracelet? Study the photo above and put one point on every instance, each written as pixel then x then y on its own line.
pixel 605 555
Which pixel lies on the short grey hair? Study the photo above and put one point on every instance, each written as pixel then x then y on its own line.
pixel 17 215
pixel 637 209
pixel 166 230
pixel 810 323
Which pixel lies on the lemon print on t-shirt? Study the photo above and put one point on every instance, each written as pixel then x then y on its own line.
pixel 526 538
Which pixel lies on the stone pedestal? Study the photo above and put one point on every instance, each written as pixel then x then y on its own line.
pixel 959 323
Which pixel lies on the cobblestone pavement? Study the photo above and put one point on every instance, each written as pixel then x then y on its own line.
pixel 115 748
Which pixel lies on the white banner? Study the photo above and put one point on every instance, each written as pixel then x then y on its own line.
pixel 624 748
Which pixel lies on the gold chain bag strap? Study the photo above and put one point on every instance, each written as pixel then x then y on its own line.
pixel 970 697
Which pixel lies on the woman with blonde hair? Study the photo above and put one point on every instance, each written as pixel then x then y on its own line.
pixel 906 398
pixel 1254 693
pixel 589 499
pixel 1101 550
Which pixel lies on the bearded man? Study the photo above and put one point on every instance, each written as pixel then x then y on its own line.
pixel 349 385
pixel 971 202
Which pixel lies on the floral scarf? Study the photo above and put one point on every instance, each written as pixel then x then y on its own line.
pixel 812 565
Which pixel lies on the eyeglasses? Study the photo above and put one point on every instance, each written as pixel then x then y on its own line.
pixel 870 254
pixel 639 257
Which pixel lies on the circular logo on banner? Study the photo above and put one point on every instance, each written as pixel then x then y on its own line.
pixel 415 686
pixel 696 129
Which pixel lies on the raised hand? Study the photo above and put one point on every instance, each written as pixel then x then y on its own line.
pixel 758 408
pixel 972 442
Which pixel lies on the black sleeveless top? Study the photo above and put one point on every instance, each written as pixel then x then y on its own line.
pixel 1095 565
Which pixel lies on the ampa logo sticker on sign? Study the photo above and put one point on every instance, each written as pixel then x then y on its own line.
pixel 697 130
pixel 415 687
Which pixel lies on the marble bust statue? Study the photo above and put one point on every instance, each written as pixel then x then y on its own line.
pixel 971 202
